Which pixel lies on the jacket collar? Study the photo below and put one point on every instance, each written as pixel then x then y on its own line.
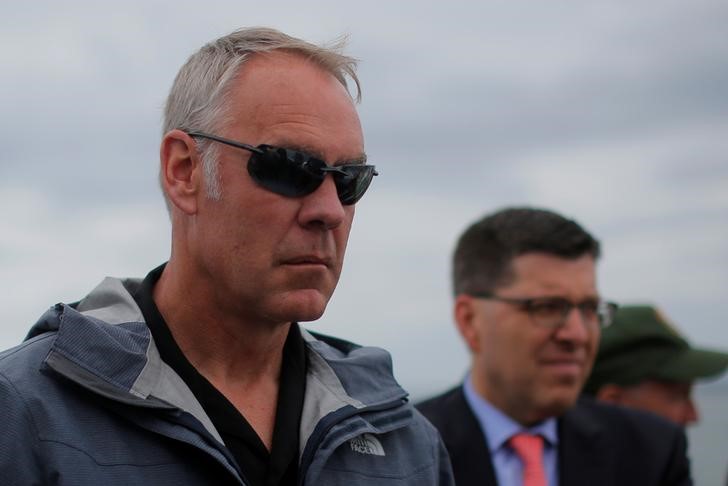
pixel 124 364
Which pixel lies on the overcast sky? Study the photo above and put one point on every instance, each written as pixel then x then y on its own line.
pixel 614 113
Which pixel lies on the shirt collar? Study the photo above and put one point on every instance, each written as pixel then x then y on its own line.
pixel 500 427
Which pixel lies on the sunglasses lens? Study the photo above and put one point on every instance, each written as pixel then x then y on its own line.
pixel 284 172
pixel 293 174
pixel 352 185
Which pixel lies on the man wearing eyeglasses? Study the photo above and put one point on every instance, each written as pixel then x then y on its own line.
pixel 199 373
pixel 528 308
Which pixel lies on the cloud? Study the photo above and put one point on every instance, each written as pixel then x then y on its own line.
pixel 50 254
pixel 613 114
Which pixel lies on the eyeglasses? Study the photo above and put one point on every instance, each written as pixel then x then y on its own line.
pixel 552 312
pixel 293 173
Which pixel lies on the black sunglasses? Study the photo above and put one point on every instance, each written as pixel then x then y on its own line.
pixel 293 173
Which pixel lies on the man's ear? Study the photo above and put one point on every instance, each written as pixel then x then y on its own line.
pixel 610 393
pixel 465 319
pixel 180 171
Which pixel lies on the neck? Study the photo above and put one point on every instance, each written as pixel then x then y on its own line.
pixel 239 356
pixel 227 350
pixel 519 411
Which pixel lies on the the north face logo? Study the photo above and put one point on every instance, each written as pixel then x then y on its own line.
pixel 367 444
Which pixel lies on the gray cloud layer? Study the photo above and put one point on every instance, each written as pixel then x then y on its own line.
pixel 613 113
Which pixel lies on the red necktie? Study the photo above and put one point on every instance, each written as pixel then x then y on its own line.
pixel 529 449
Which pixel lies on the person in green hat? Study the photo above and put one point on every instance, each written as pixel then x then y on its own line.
pixel 643 362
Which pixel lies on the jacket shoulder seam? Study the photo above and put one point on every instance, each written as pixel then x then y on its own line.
pixel 25 406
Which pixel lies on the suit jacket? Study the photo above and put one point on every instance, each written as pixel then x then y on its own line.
pixel 599 445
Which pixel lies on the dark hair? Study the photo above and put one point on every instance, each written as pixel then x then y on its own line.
pixel 484 252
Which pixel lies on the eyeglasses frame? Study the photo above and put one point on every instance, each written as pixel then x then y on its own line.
pixel 604 308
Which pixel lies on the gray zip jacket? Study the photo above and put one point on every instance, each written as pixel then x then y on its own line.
pixel 86 400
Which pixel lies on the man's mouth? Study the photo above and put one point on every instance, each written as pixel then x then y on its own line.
pixel 309 260
pixel 564 366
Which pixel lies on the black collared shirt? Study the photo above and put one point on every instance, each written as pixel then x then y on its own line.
pixel 259 466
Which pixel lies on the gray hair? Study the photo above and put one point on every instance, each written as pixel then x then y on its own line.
pixel 196 101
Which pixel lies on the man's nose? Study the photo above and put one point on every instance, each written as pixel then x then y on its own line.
pixel 576 327
pixel 322 208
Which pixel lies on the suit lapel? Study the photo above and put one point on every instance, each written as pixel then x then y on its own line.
pixel 466 444
pixel 584 456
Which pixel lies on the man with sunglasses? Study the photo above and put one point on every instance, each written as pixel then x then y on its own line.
pixel 199 373
pixel 527 306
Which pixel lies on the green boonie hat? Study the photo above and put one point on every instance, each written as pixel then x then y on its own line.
pixel 640 344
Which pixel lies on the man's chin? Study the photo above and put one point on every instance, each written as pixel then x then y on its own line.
pixel 304 305
pixel 309 316
pixel 554 400
pixel 560 403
